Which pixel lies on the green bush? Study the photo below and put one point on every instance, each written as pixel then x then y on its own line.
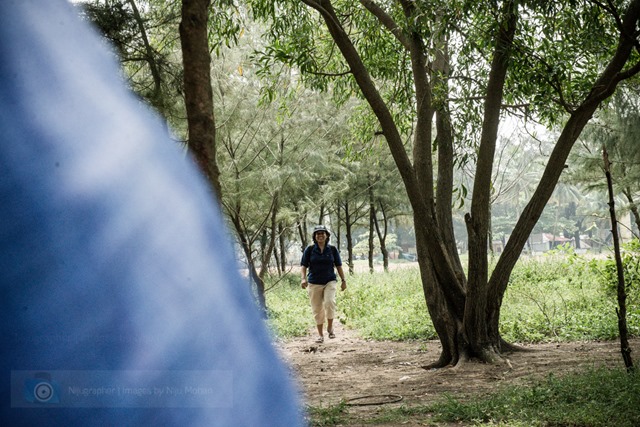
pixel 607 269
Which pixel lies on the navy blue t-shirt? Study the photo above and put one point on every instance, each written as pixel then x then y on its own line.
pixel 320 264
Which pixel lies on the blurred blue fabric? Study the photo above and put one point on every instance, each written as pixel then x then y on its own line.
pixel 116 269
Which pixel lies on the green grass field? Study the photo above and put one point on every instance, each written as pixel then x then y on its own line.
pixel 556 298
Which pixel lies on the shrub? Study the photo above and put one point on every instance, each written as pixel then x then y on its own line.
pixel 630 255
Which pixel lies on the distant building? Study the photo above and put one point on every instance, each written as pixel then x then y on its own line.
pixel 542 242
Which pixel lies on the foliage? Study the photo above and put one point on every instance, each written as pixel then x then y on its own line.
pixel 278 159
pixel 559 297
pixel 387 306
pixel 363 245
pixel 144 36
pixel 631 266
pixel 615 127
pixel 563 45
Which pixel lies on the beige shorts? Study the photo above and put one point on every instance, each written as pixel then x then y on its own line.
pixel 323 301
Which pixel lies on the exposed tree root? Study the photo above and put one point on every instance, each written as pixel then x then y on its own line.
pixel 443 362
pixel 488 355
pixel 512 348
pixel 491 355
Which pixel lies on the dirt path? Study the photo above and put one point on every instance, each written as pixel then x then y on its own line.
pixel 350 367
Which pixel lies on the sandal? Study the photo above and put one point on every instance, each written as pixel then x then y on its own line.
pixel 320 339
pixel 331 334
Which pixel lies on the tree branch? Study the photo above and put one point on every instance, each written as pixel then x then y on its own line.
pixel 386 20
pixel 327 15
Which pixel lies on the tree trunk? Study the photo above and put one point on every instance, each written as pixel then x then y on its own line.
pixel 198 94
pixel 382 235
pixel 444 143
pixel 271 240
pixel 276 259
pixel 348 236
pixel 253 272
pixel 372 217
pixel 484 342
pixel 283 248
pixel 301 226
pixel 622 295
pixel 632 206
pixel 338 229
pixel 259 282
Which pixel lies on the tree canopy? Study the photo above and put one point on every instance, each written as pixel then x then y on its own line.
pixel 436 80
pixel 443 74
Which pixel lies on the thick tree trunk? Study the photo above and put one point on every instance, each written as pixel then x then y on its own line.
pixel 198 94
pixel 445 316
pixel 444 143
pixel 482 342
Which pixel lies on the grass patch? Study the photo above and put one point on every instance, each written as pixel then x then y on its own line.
pixel 288 309
pixel 327 416
pixel 555 298
pixel 383 306
pixel 596 398
pixel 387 306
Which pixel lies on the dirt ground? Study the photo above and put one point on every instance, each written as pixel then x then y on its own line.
pixel 373 372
